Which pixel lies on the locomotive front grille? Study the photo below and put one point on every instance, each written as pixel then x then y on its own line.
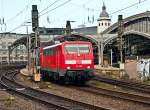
pixel 79 74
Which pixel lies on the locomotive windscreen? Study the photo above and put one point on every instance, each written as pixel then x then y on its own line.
pixel 77 48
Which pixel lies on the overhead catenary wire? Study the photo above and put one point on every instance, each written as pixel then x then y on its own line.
pixel 20 12
pixel 139 2
pixel 50 5
pixel 132 5
pixel 56 7
pixel 19 26
pixel 87 8
pixel 42 14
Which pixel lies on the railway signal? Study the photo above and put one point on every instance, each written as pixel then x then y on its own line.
pixel 35 20
pixel 120 41
pixel 32 41
pixel 68 28
pixel 35 43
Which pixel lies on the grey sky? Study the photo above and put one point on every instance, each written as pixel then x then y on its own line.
pixel 76 10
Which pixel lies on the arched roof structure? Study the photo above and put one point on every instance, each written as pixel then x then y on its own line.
pixel 20 41
pixel 134 22
pixel 114 36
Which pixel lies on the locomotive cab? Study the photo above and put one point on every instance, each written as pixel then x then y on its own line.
pixel 78 60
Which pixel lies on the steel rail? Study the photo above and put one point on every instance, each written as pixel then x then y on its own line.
pixel 117 94
pixel 47 98
pixel 129 85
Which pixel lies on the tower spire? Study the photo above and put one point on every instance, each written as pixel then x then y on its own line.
pixel 103 21
pixel 103 7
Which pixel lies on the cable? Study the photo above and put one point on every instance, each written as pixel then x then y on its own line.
pixel 78 5
pixel 50 5
pixel 15 28
pixel 56 7
pixel 42 14
pixel 14 17
pixel 139 2
pixel 128 7
pixel 19 26
pixel 84 7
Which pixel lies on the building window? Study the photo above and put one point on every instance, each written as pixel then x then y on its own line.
pixel 9 43
pixel 10 58
pixel 3 45
pixel 108 24
pixel 21 51
pixel 4 52
pixel 4 58
pixel 102 24
pixel 21 47
pixel 105 24
pixel 21 58
pixel 99 24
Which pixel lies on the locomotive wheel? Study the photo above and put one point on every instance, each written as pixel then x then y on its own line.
pixel 50 76
pixel 66 79
pixel 43 75
pixel 82 82
pixel 56 77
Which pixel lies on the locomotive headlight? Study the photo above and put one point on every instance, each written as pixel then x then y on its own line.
pixel 68 67
pixel 88 67
pixel 86 61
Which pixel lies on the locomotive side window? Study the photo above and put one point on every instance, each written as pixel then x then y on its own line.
pixel 44 52
pixel 50 51
pixel 77 48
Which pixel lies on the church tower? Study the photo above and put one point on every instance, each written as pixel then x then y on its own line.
pixel 103 21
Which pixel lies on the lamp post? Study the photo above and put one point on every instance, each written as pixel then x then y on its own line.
pixel 111 55
pixel 102 49
pixel 28 23
pixel 120 37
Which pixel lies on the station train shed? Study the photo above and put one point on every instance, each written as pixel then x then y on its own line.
pixel 136 38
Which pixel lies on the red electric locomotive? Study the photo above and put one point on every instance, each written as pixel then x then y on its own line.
pixel 71 61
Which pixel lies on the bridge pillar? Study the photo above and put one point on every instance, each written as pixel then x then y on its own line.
pixel 9 52
pixel 100 46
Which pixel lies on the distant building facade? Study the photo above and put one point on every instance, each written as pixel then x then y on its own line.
pixel 103 21
pixel 18 54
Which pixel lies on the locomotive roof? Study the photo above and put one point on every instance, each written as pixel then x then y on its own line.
pixel 51 46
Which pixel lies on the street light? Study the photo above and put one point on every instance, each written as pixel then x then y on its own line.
pixel 101 49
pixel 28 23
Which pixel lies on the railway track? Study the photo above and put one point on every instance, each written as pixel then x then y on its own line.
pixel 48 99
pixel 7 67
pixel 117 94
pixel 129 85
